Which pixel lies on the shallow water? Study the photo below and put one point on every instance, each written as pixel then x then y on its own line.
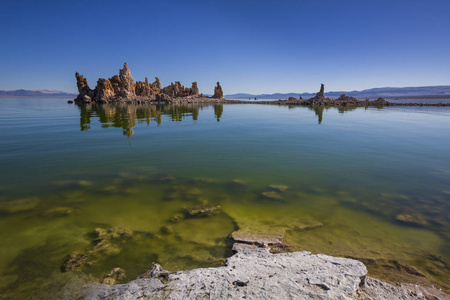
pixel 366 183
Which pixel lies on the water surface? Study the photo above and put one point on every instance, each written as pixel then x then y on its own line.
pixel 113 182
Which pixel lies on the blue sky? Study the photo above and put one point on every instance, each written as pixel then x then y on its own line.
pixel 249 46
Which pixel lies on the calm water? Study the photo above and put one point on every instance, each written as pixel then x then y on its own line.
pixel 113 183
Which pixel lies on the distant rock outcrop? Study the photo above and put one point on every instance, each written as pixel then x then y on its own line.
pixel 344 97
pixel 218 93
pixel 122 87
pixel 320 96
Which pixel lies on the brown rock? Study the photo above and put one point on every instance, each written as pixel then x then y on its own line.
pixel 218 93
pixel 74 262
pixel 163 97
pixel 176 90
pixel 202 211
pixel 123 83
pixel 194 89
pixel 82 85
pixel 104 90
pixel 380 102
pixel 344 97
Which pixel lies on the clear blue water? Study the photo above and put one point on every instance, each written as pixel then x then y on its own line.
pixel 377 180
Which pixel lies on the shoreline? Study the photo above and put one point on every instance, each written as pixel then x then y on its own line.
pixel 293 102
pixel 255 272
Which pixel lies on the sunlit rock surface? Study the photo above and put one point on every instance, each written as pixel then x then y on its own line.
pixel 252 273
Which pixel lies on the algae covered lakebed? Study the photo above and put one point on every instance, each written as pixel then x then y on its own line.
pixel 87 189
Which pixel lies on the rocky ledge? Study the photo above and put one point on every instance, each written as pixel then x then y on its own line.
pixel 252 273
pixel 123 88
pixel 255 273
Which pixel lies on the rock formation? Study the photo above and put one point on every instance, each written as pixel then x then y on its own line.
pixel 218 93
pixel 83 88
pixel 344 97
pixel 252 273
pixel 122 87
pixel 194 89
pixel 146 89
pixel 104 89
pixel 320 96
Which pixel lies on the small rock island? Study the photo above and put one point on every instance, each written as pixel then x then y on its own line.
pixel 123 88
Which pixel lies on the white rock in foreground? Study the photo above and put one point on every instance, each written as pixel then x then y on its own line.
pixel 252 273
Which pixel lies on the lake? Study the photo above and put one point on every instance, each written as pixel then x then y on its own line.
pixel 111 185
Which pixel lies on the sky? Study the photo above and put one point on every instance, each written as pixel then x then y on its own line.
pixel 251 46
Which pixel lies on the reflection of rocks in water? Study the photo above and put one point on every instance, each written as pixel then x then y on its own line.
pixel 218 110
pixel 126 115
pixel 319 109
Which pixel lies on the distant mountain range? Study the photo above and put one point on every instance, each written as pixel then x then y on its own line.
pixel 35 93
pixel 441 91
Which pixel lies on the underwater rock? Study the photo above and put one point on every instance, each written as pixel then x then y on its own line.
pixel 238 181
pixel 264 238
pixel 412 219
pixel 166 230
pixel 156 272
pixel 60 212
pixel 177 218
pixel 272 195
pixel 103 245
pixel 74 262
pixel 19 205
pixel 279 188
pixel 113 276
pixel 271 233
pixel 202 211
pixel 112 233
pixel 109 281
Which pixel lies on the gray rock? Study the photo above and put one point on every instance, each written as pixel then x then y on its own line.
pixel 375 289
pixel 252 273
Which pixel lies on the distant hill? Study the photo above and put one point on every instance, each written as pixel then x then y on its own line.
pixel 441 91
pixel 35 93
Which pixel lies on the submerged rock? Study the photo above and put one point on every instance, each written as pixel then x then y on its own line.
pixel 113 276
pixel 412 219
pixel 19 205
pixel 272 195
pixel 202 211
pixel 258 236
pixel 279 188
pixel 74 262
pixel 61 212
